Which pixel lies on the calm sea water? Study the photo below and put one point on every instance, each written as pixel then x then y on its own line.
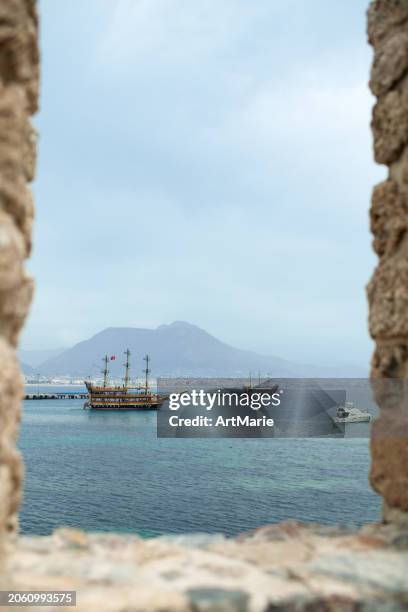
pixel 108 471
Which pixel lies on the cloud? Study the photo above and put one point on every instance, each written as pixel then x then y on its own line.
pixel 207 161
pixel 223 104
pixel 175 32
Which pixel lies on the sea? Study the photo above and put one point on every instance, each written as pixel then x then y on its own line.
pixel 109 472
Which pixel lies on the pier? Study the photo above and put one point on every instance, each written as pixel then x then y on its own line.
pixel 56 396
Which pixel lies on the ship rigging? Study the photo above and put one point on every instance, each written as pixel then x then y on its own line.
pixel 122 397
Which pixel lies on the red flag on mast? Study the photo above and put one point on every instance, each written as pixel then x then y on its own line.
pixel 113 357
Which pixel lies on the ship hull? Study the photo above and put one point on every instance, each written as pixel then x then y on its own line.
pixel 119 399
pixel 127 409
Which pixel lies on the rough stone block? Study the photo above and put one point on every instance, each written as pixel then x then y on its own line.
pixel 390 63
pixel 20 56
pixel 388 298
pixel 390 126
pixel 12 250
pixel 389 217
pixel 390 360
pixel 10 463
pixel 389 451
pixel 383 17
pixel 29 152
pixel 14 307
pixel 303 568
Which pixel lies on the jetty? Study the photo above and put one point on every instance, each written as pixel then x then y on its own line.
pixel 56 396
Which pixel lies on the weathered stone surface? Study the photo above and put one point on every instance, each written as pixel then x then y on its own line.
pixel 388 299
pixel 389 360
pixel 12 251
pixel 394 516
pixel 391 393
pixel 10 463
pixel 18 99
pixel 388 288
pixel 29 152
pixel 390 126
pixel 385 16
pixel 389 217
pixel 17 160
pixel 389 449
pixel 342 570
pixel 14 307
pixel 390 63
pixel 20 56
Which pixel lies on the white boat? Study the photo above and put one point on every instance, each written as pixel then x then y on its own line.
pixel 349 413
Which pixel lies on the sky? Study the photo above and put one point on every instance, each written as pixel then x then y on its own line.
pixel 207 161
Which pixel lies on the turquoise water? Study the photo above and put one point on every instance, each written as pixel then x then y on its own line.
pixel 108 471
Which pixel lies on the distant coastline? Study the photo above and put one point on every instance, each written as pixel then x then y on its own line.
pixel 53 384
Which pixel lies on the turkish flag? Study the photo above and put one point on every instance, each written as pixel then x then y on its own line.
pixel 113 357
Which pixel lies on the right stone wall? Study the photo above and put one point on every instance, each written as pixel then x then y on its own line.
pixel 388 288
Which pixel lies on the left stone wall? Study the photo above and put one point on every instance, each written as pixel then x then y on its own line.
pixel 19 71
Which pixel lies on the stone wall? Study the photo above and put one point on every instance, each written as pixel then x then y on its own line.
pixel 287 567
pixel 388 289
pixel 18 100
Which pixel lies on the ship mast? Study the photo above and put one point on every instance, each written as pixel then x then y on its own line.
pixel 105 371
pixel 147 371
pixel 127 368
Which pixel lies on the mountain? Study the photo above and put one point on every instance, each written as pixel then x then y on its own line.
pixel 26 369
pixel 35 358
pixel 179 349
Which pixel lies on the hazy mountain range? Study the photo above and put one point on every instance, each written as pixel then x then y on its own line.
pixel 33 359
pixel 178 349
pixel 26 369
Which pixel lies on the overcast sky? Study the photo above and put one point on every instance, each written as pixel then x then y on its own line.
pixel 207 161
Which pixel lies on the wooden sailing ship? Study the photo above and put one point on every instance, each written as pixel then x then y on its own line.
pixel 122 397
